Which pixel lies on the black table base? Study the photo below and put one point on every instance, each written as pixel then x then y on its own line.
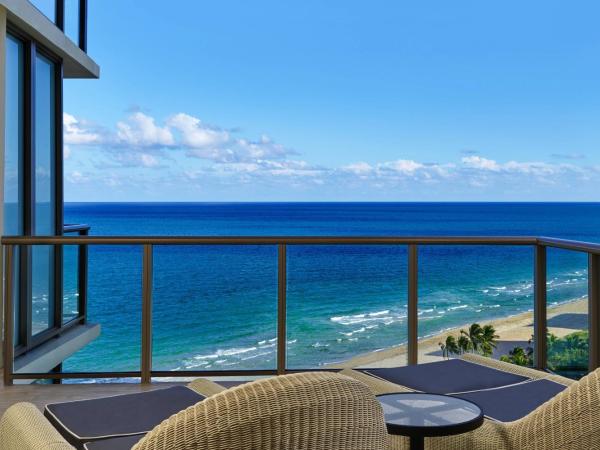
pixel 417 443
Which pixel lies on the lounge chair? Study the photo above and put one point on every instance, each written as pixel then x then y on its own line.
pixel 525 409
pixel 302 411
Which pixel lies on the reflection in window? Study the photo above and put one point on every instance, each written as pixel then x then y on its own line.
pixel 70 283
pixel 13 162
pixel 44 219
pixel 72 20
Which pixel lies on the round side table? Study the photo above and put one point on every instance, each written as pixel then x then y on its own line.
pixel 418 415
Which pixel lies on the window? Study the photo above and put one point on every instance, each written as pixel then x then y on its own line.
pixel 72 19
pixel 33 185
pixel 42 266
pixel 13 156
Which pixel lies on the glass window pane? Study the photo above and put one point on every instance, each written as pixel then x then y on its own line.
pixel 70 282
pixel 192 305
pixel 13 156
pixel 567 313
pixel 44 220
pixel 72 20
pixel 345 303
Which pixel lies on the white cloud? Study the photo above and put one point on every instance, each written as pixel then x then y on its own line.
pixel 76 177
pixel 271 168
pixel 78 133
pixel 196 135
pixel 181 131
pixel 516 167
pixel 397 170
pixel 403 166
pixel 480 163
pixel 265 148
pixel 359 168
pixel 186 148
pixel 141 130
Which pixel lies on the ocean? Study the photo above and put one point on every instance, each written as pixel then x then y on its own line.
pixel 215 306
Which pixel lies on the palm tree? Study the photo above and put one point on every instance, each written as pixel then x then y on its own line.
pixel 444 351
pixel 517 356
pixel 450 347
pixel 488 340
pixel 474 335
pixel 464 344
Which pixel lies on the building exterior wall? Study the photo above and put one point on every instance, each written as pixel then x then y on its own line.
pixel 2 143
pixel 23 15
pixel 73 62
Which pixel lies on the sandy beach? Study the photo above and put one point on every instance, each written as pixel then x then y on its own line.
pixel 516 330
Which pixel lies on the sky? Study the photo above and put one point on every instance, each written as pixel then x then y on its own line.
pixel 337 101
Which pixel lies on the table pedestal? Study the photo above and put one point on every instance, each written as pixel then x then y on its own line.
pixel 417 443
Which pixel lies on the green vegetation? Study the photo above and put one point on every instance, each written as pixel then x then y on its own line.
pixel 476 339
pixel 567 354
pixel 519 356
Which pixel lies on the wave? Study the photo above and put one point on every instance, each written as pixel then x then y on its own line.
pixel 228 352
pixel 452 308
pixel 359 318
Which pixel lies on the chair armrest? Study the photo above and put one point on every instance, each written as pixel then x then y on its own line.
pixel 24 427
pixel 377 385
pixel 205 387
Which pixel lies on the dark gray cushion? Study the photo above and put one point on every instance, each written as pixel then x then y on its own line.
pixel 445 377
pixel 513 402
pixel 119 443
pixel 121 415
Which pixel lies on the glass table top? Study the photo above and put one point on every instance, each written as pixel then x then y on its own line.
pixel 427 410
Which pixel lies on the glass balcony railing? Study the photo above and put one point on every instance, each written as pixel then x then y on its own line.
pixel 68 15
pixel 281 289
pixel 37 319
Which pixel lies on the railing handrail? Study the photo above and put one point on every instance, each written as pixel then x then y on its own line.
pixel 566 244
pixel 75 227
pixel 539 244
pixel 268 240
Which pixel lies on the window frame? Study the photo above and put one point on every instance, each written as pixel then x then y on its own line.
pixel 25 341
pixel 59 21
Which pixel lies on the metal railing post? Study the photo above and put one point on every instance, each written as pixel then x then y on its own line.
pixel 594 311
pixel 281 308
pixel 413 304
pixel 82 277
pixel 8 314
pixel 146 368
pixel 540 320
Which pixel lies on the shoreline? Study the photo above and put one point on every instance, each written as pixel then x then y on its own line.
pixel 563 319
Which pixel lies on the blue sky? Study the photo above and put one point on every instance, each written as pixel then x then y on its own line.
pixel 338 100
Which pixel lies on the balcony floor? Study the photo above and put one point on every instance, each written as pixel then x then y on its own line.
pixel 42 394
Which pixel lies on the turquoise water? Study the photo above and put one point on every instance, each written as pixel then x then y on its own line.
pixel 215 307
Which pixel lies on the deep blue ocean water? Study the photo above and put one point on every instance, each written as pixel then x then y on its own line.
pixel 215 307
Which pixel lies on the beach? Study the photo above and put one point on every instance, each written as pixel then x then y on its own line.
pixel 516 330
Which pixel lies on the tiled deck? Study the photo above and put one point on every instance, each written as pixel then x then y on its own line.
pixel 41 394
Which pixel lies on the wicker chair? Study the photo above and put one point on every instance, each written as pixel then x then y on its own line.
pixel 301 411
pixel 569 421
